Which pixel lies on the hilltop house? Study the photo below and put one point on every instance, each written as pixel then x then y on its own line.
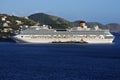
pixel 6 27
pixel 4 18
pixel 18 22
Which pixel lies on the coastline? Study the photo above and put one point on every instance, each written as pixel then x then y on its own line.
pixel 6 40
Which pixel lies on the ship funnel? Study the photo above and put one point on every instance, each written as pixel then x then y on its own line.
pixel 82 24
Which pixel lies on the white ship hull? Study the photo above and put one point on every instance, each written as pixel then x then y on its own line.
pixel 30 39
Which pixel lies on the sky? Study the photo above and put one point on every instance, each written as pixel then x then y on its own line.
pixel 103 11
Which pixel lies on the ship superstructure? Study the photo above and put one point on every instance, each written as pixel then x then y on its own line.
pixel 43 34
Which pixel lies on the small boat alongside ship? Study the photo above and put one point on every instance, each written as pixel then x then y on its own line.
pixel 80 34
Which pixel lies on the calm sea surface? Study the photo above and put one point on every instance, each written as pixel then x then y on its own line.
pixel 60 61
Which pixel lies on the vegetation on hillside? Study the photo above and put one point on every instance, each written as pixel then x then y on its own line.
pixel 10 24
pixel 54 21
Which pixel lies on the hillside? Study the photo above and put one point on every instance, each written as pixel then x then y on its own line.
pixel 10 24
pixel 113 27
pixel 54 21
pixel 60 23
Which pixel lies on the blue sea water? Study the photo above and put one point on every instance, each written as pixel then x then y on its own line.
pixel 60 61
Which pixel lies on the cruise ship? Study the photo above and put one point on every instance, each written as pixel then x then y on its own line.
pixel 80 34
